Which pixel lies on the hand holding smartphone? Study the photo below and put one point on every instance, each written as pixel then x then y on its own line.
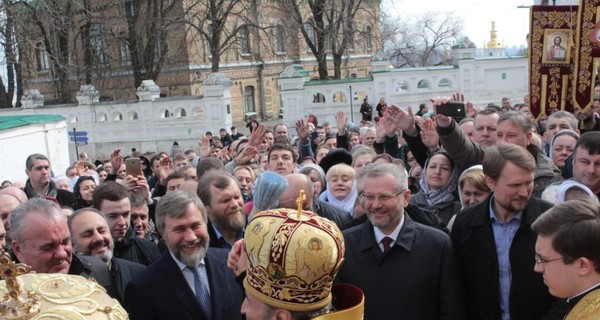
pixel 453 109
pixel 133 167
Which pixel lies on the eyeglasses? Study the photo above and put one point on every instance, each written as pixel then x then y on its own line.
pixel 382 197
pixel 540 261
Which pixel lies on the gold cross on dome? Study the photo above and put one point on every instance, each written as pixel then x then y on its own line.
pixel 9 271
pixel 300 202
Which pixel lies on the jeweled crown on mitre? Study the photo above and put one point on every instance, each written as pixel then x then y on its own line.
pixel 293 257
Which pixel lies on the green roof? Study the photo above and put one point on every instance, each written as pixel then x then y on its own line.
pixel 9 122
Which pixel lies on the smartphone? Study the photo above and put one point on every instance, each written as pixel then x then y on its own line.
pixel 454 109
pixel 133 167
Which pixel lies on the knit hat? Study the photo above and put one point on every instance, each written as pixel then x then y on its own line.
pixel 293 257
pixel 334 157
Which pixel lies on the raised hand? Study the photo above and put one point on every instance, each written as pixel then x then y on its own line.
pixel 429 134
pixel 116 160
pixel 204 147
pixel 402 120
pixel 470 110
pixel 442 120
pixel 246 155
pixel 303 131
pixel 458 97
pixel 380 130
pixel 257 135
pixel 165 168
pixel 340 121
pixel 237 260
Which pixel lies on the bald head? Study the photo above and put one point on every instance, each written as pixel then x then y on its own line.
pixel 15 192
pixel 8 204
pixel 297 182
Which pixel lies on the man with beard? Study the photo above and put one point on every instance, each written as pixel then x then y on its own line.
pixel 112 199
pixel 190 281
pixel 90 236
pixel 496 246
pixel 221 194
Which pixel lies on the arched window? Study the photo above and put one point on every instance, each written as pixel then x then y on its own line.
pixel 279 39
pixel 249 99
pixel 445 83
pixel 401 86
pixel 99 42
pixel 72 119
pixel 318 98
pixel 179 113
pixel 102 117
pixel 117 116
pixel 165 114
pixel 198 112
pixel 339 97
pixel 369 39
pixel 43 61
pixel 132 116
pixel 310 31
pixel 244 40
pixel 423 84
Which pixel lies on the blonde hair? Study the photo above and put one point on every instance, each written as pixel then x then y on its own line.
pixel 474 177
pixel 341 169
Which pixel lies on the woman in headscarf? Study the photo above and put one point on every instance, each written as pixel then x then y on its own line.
pixel 317 177
pixel 438 183
pixel 341 187
pixel 268 187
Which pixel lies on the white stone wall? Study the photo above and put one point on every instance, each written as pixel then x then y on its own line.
pixel 16 144
pixel 482 80
pixel 149 125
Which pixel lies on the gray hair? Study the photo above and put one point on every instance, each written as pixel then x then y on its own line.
pixel 564 114
pixel 307 168
pixel 519 118
pixel 175 205
pixel 46 208
pixel 33 158
pixel 378 170
pixel 364 132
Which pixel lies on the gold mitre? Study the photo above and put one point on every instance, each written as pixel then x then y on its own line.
pixel 293 257
pixel 52 296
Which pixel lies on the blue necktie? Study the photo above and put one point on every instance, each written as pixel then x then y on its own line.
pixel 202 294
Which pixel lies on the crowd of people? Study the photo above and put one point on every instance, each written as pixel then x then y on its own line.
pixel 409 216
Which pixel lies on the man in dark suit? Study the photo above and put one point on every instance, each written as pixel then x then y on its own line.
pixel 406 270
pixel 190 281
pixel 494 242
pixel 90 236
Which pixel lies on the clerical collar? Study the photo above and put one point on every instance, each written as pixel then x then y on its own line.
pixel 596 286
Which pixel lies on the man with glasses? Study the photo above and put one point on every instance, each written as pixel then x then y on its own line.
pixel 494 242
pixel 567 253
pixel 406 270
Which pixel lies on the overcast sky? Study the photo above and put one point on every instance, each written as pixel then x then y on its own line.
pixel 512 23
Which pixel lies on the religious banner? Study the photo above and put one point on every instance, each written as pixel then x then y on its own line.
pixel 552 52
pixel 587 61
